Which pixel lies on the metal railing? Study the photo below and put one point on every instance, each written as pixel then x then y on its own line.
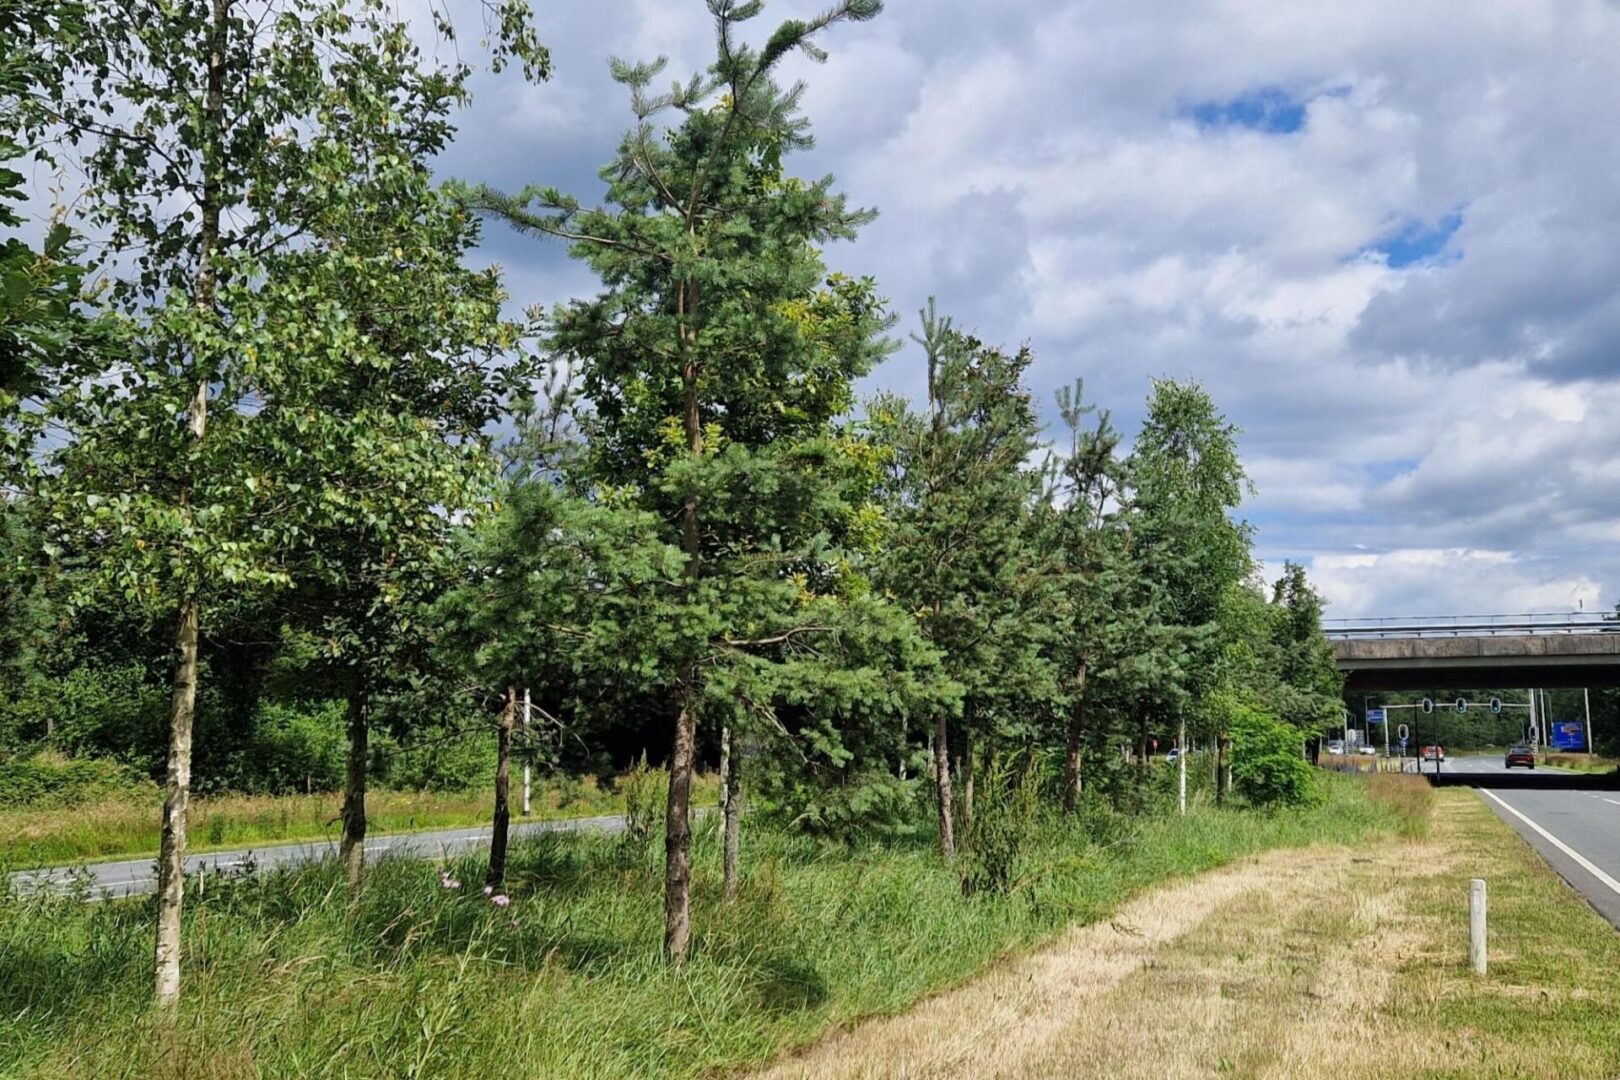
pixel 1546 622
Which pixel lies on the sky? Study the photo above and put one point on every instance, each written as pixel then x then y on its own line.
pixel 1384 235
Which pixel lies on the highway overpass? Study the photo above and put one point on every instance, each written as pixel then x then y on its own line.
pixel 1477 651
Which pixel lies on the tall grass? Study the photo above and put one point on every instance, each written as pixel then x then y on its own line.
pixel 426 981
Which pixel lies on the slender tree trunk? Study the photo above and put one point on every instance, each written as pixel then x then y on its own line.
pixel 732 812
pixel 942 776
pixel 678 829
pixel 725 764
pixel 966 804
pixel 1071 749
pixel 678 813
pixel 1223 767
pixel 503 783
pixel 1144 760
pixel 183 696
pixel 352 846
pixel 176 794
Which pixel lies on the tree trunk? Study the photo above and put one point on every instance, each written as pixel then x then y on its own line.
pixel 731 779
pixel 942 775
pixel 1071 749
pixel 176 794
pixel 678 829
pixel 1144 760
pixel 1223 767
pixel 503 782
pixel 965 804
pixel 725 764
pixel 678 813
pixel 183 697
pixel 352 847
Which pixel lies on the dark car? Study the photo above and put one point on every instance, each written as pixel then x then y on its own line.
pixel 1519 755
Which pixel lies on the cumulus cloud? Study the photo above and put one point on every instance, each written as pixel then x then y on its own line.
pixel 1384 234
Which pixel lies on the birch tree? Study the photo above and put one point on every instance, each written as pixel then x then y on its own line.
pixel 227 153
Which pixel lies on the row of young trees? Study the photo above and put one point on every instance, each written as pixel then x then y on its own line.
pixel 274 416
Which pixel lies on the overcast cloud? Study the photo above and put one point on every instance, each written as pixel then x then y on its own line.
pixel 1385 235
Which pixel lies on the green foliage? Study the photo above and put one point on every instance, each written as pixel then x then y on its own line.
pixel 1268 763
pixel 49 781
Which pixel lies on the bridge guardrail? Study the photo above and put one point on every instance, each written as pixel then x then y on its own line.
pixel 1549 622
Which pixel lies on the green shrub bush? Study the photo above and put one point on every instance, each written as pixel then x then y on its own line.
pixel 51 781
pixel 1268 761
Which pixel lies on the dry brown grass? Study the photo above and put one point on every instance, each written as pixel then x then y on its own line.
pixel 1329 963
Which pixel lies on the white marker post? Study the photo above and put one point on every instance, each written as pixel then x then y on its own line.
pixel 1476 925
pixel 527 716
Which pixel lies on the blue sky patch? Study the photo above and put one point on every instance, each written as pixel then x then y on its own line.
pixel 1268 108
pixel 1417 241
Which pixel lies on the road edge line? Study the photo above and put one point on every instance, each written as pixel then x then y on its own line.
pixel 1580 860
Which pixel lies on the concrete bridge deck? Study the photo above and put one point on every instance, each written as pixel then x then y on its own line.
pixel 1477 651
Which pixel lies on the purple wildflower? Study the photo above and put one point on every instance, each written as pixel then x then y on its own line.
pixel 500 900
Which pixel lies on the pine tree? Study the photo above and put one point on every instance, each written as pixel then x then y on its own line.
pixel 961 556
pixel 717 359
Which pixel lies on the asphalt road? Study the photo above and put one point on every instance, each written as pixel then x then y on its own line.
pixel 1577 830
pixel 133 877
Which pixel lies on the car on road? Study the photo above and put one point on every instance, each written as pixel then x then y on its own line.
pixel 1368 751
pixel 1519 754
pixel 1433 753
pixel 1335 746
pixel 1173 755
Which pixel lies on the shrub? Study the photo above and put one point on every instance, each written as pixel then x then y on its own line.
pixel 646 792
pixel 1006 818
pixel 857 807
pixel 47 780
pixel 1268 762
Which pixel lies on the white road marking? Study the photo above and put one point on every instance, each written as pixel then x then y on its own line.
pixel 1580 860
pixel 1615 801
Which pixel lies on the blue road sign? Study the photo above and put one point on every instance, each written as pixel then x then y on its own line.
pixel 1402 742
pixel 1375 716
pixel 1568 735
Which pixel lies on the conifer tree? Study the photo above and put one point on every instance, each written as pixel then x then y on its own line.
pixel 961 555
pixel 717 360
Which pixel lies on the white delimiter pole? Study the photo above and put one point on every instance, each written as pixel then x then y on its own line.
pixel 1476 926
pixel 527 707
pixel 1586 698
pixel 1181 762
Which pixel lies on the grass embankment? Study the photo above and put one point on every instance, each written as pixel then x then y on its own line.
pixel 1584 763
pixel 128 824
pixel 567 981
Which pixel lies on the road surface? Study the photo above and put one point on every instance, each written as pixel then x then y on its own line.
pixel 1576 829
pixel 133 877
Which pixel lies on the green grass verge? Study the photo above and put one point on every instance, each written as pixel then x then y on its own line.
pixel 427 981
